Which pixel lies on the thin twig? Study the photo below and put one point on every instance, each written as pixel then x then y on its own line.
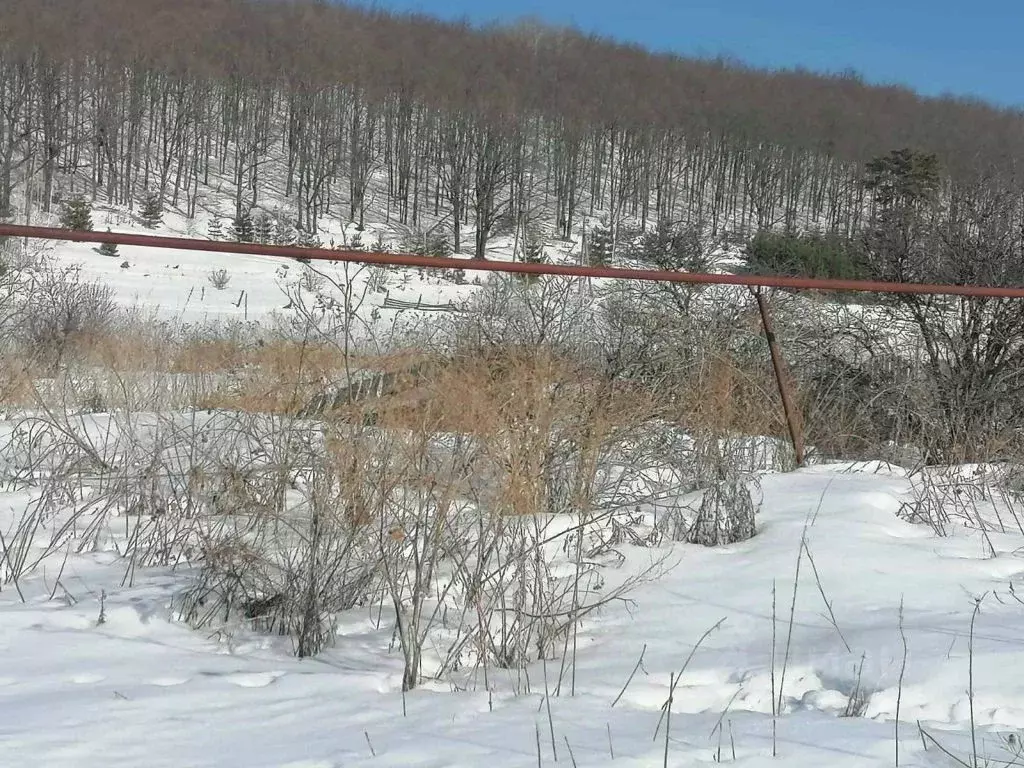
pixel 639 662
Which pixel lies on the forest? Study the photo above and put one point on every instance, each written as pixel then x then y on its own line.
pixel 513 128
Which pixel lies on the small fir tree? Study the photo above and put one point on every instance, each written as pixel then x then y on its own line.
pixel 152 211
pixel 533 253
pixel 76 213
pixel 241 229
pixel 599 243
pixel 307 240
pixel 439 245
pixel 215 229
pixel 284 233
pixel 533 247
pixel 263 228
pixel 108 249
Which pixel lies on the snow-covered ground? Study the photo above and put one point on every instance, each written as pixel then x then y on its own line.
pixel 140 689
pixel 180 285
pixel 838 609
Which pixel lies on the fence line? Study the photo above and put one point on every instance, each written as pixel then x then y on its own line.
pixel 485 265
pixel 392 303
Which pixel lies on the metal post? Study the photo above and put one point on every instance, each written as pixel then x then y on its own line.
pixel 792 416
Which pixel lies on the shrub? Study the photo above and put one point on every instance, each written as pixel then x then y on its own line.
pixel 60 307
pixel 108 249
pixel 219 278
pixel 806 255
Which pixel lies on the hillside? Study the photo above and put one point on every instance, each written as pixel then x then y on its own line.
pixel 326 112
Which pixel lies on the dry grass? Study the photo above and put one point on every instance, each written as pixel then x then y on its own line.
pixel 271 376
pixel 16 377
pixel 508 392
pixel 724 395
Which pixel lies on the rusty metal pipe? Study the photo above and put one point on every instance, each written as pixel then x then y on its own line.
pixel 782 379
pixel 431 262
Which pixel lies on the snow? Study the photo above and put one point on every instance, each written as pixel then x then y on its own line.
pixel 140 688
pixel 97 670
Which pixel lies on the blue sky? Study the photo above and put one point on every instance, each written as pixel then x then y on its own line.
pixel 966 47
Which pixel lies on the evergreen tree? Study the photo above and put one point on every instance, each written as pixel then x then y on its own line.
pixel 533 247
pixel 215 229
pixel 599 243
pixel 307 240
pixel 533 253
pixel 152 211
pixel 108 249
pixel 241 228
pixel 903 178
pixel 284 233
pixel 356 243
pixel 905 186
pixel 263 228
pixel 438 244
pixel 76 213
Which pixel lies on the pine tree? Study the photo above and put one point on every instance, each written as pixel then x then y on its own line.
pixel 152 211
pixel 241 228
pixel 263 228
pixel 215 229
pixel 533 253
pixel 76 213
pixel 533 247
pixel 599 242
pixel 307 240
pixel 108 249
pixel 439 245
pixel 284 233
pixel 356 243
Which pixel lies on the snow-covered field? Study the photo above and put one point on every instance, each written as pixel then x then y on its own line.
pixel 140 689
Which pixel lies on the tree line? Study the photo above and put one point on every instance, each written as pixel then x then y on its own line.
pixel 508 128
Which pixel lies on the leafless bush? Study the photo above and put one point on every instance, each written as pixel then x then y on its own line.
pixel 981 497
pixel 491 522
pixel 286 565
pixel 311 280
pixel 377 279
pixel 219 278
pixel 553 313
pixel 725 506
pixel 58 307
